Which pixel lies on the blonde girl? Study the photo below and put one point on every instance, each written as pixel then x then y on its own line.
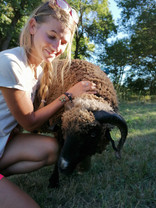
pixel 47 34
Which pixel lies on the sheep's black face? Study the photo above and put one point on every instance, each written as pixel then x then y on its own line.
pixel 77 146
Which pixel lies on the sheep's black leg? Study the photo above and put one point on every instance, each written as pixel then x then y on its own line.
pixel 54 179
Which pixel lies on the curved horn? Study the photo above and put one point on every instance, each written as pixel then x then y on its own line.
pixel 116 120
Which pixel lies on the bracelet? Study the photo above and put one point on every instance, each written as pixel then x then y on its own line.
pixel 69 96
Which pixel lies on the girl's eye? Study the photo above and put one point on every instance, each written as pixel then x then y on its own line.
pixel 51 37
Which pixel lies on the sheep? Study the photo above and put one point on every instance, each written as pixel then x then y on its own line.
pixel 83 126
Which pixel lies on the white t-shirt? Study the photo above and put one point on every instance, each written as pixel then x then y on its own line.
pixel 14 73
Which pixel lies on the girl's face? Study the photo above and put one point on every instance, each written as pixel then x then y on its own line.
pixel 49 40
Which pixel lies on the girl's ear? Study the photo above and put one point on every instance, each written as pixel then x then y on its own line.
pixel 32 26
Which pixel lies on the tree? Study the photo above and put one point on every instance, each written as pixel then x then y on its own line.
pixel 138 20
pixel 95 26
pixel 12 17
pixel 116 58
pixel 138 85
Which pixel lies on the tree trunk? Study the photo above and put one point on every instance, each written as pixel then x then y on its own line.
pixel 77 47
pixel 5 44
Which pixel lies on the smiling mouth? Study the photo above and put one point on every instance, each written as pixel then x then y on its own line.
pixel 51 54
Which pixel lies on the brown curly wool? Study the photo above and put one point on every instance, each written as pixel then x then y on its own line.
pixel 77 119
pixel 78 71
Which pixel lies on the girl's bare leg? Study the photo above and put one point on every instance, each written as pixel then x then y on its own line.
pixel 12 196
pixel 27 152
pixel 24 153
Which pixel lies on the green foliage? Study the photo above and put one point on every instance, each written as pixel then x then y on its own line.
pixel 13 14
pixel 139 17
pixel 85 48
pixel 95 25
pixel 116 58
pixel 138 51
pixel 111 183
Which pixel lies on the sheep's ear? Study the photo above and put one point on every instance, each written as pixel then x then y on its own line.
pixel 116 120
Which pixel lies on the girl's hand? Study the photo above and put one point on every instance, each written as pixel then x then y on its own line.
pixel 83 87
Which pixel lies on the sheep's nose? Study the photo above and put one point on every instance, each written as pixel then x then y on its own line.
pixel 63 163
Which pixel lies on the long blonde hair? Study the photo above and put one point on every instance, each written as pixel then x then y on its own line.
pixel 41 15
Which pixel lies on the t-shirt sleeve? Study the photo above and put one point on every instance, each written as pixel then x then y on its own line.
pixel 11 75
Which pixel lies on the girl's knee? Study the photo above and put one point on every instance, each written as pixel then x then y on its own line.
pixel 52 148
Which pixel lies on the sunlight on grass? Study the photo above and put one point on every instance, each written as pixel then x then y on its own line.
pixel 137 133
pixel 115 134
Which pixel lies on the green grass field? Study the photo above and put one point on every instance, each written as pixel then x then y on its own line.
pixel 111 183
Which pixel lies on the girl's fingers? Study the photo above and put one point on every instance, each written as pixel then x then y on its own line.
pixel 83 87
pixel 89 85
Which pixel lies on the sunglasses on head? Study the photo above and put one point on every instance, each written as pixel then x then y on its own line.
pixel 66 7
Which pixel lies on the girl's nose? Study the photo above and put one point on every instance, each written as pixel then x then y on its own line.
pixel 57 45
pixel 57 48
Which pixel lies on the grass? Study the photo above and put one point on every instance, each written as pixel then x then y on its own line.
pixel 111 183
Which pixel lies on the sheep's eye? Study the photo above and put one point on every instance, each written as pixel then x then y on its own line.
pixel 93 134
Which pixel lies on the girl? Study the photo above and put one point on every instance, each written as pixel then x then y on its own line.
pixel 47 34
